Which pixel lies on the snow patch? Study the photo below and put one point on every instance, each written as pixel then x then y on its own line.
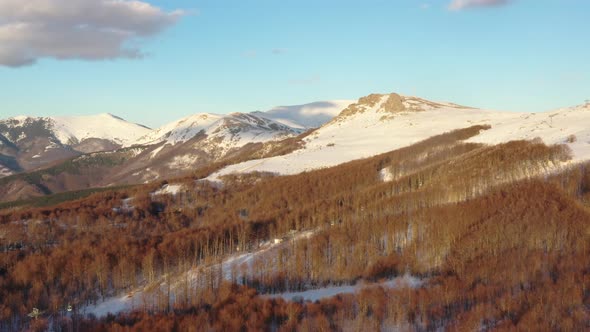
pixel 406 281
pixel 183 162
pixel 169 189
pixel 134 300
pixel 386 175
pixel 156 151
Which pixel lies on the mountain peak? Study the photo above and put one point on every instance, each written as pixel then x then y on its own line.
pixel 74 129
pixel 393 103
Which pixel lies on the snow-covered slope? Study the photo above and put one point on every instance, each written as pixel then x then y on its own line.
pixel 283 118
pixel 381 123
pixel 103 126
pixel 217 134
pixel 306 116
pixel 239 129
pixel 34 142
pixel 70 130
pixel 181 130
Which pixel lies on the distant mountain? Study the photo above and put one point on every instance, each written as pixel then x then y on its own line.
pixel 73 130
pixel 105 150
pixel 292 118
pixel 306 116
pixel 30 142
pixel 199 140
pixel 180 130
pixel 380 123
pixel 203 138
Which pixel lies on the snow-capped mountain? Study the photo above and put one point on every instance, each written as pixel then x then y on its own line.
pixel 31 142
pixel 282 118
pixel 201 139
pixel 72 130
pixel 217 135
pixel 381 123
pixel 239 129
pixel 180 130
pixel 307 116
pixel 375 124
pixel 171 150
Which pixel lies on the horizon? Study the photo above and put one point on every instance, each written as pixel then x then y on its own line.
pixel 175 58
pixel 169 121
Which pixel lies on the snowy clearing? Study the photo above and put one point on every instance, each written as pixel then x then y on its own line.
pixel 326 292
pixel 143 297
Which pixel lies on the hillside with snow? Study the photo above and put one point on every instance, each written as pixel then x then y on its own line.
pixel 70 130
pixel 204 138
pixel 174 149
pixel 381 123
pixel 28 143
pixel 198 141
pixel 373 125
pixel 282 118
pixel 180 130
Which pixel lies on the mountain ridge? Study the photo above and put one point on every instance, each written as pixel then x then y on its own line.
pixel 275 141
pixel 378 123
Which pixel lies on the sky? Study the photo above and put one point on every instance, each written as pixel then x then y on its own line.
pixel 154 61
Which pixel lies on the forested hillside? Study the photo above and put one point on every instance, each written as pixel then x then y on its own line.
pixel 444 234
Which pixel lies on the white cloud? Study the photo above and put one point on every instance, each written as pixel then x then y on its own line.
pixel 465 4
pixel 76 29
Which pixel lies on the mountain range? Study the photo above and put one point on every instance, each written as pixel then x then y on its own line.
pixel 40 156
pixel 44 155
pixel 390 212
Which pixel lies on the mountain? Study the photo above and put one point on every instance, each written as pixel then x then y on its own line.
pixel 33 142
pixel 275 141
pixel 95 156
pixel 204 138
pixel 383 122
pixel 222 132
pixel 197 141
pixel 180 130
pixel 307 116
pixel 292 118
pixel 73 130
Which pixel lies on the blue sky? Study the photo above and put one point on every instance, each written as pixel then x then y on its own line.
pixel 241 56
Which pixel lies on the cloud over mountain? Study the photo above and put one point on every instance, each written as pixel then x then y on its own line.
pixel 77 29
pixel 466 4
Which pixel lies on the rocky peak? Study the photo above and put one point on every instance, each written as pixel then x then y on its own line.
pixel 393 104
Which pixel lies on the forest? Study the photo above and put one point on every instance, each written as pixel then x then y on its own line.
pixel 496 237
